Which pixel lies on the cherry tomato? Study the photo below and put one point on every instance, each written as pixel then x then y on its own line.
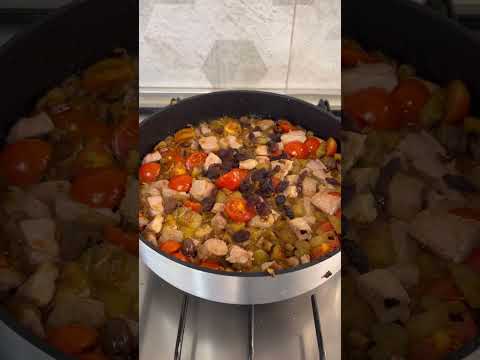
pixel 232 179
pixel 125 136
pixel 171 156
pixel 237 209
pixel 331 148
pixel 180 256
pixel 95 155
pixel 193 205
pixel 149 172
pixel 125 240
pixel 410 96
pixel 321 250
pixel 372 107
pixel 211 264
pixel 102 188
pixel 296 149
pixel 285 126
pixel 83 121
pixel 170 246
pixel 180 183
pixel 195 159
pixel 458 102
pixel 25 162
pixel 312 144
pixel 474 260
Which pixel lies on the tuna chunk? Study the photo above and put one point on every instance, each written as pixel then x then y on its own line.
pixel 213 247
pixel 218 222
pixel 152 157
pixel 363 76
pixel 309 186
pixel 262 150
pixel 72 309
pixel 211 159
pixel 447 235
pixel 201 189
pixel 209 143
pixel 155 204
pixel 385 294
pixel 405 196
pixel 353 146
pixel 233 142
pixel 34 126
pixel 296 135
pixel 239 255
pixel 40 287
pixel 171 233
pixel 265 124
pixel 40 239
pixel 19 202
pixel 301 228
pixel 248 164
pixel 156 224
pixel 328 202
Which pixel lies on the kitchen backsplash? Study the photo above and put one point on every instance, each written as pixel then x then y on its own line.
pixel 261 44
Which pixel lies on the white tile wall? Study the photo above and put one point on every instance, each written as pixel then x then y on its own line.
pixel 189 45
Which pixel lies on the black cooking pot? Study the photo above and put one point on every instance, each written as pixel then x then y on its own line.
pixel 34 61
pixel 248 287
pixel 439 48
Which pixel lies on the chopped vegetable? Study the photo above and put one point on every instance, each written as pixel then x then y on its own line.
pixel 73 339
pixel 232 179
pixel 170 246
pixel 180 183
pixel 149 172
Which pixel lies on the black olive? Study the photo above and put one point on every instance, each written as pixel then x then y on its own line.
pixel 117 339
pixel 288 212
pixel 389 303
pixel 262 208
pixel 240 156
pixel 266 187
pixel 272 147
pixel 275 137
pixel 246 186
pixel 188 248
pixel 332 181
pixel 208 203
pixel 259 174
pixel 460 183
pixel 241 236
pixel 214 171
pixel 228 164
pixel 280 200
pixel 253 200
pixel 282 186
pixel 329 162
pixel 225 154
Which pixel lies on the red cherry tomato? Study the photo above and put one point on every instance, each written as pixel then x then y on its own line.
pixel 102 188
pixel 232 179
pixel 180 256
pixel 474 260
pixel 180 183
pixel 312 145
pixel 410 96
pixel 125 137
pixel 285 126
pixel 196 159
pixel 193 205
pixel 25 162
pixel 170 246
pixel 372 107
pixel 296 149
pixel 331 148
pixel 149 172
pixel 82 121
pixel 125 240
pixel 458 102
pixel 237 209
pixel 211 264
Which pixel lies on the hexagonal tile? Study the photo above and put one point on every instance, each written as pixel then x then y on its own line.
pixel 233 63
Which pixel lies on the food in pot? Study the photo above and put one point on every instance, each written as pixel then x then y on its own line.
pixel 411 284
pixel 242 194
pixel 68 209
